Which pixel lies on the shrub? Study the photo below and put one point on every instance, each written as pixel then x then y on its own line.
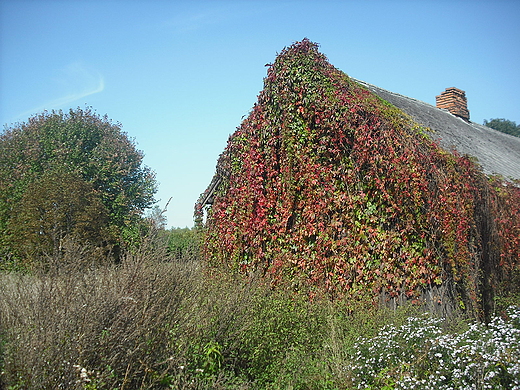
pixel 419 355
pixel 183 243
pixel 106 327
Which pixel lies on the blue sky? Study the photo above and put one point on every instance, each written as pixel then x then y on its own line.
pixel 180 75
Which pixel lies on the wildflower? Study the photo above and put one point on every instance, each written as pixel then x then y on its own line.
pixel 83 373
pixel 484 355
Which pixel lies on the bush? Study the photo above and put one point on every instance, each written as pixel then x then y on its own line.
pixel 419 355
pixel 106 327
pixel 156 322
pixel 183 243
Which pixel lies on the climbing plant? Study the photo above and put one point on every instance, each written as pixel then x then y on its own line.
pixel 330 187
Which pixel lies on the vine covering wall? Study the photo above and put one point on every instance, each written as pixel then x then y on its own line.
pixel 334 189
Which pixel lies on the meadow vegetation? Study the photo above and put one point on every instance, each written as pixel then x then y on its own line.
pixel 331 205
pixel 160 320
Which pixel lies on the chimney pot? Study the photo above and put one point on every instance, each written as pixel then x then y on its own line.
pixel 454 100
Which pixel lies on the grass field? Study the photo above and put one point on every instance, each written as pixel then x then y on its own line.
pixel 154 323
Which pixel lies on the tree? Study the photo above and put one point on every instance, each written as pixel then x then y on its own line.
pixel 504 126
pixel 156 218
pixel 57 206
pixel 81 151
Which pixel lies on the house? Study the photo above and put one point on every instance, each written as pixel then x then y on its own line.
pixel 449 124
pixel 496 152
pixel 327 186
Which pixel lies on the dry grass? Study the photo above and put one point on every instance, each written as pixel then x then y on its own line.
pixel 148 322
pixel 155 323
pixel 106 326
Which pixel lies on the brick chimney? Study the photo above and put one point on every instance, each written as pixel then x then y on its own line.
pixel 454 100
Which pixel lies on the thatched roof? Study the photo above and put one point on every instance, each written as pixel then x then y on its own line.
pixel 496 152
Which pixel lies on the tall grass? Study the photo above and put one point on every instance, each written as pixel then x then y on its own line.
pixel 113 322
pixel 153 322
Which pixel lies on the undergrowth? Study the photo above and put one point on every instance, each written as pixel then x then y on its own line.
pixel 156 323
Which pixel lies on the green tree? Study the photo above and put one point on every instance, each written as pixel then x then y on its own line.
pixel 89 153
pixel 57 206
pixel 504 126
pixel 184 243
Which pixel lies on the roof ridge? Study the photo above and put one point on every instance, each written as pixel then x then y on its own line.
pixel 372 86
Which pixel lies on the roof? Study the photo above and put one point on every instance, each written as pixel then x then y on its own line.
pixel 496 152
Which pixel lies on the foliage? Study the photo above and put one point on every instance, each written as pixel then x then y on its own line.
pixel 183 243
pixel 331 187
pixel 53 207
pixel 153 322
pixel 420 355
pixel 504 126
pixel 48 160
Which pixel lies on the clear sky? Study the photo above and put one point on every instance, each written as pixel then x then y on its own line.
pixel 180 75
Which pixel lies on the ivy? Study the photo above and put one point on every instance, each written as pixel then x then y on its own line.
pixel 331 186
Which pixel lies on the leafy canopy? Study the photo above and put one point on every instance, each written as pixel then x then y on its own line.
pixel 504 126
pixel 69 173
